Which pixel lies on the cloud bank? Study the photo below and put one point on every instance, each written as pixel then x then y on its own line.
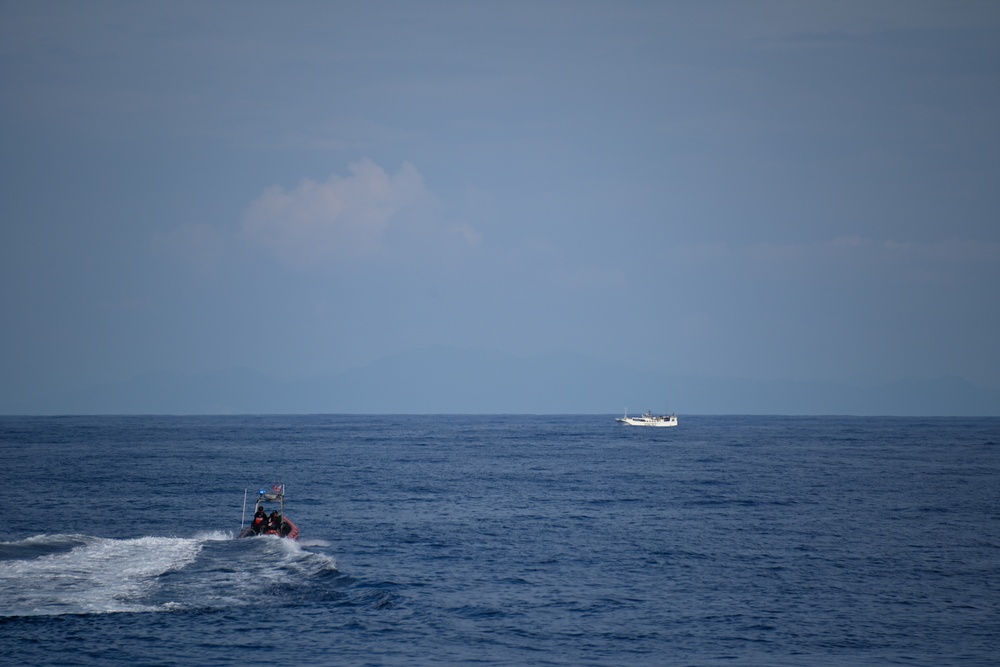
pixel 340 219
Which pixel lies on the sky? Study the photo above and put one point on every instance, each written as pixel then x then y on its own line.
pixel 772 190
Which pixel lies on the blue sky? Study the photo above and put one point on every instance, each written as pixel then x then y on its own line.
pixel 774 190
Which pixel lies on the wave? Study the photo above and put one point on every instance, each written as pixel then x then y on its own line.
pixel 94 575
pixel 48 575
pixel 313 543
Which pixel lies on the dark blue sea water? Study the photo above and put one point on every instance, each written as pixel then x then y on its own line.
pixel 502 540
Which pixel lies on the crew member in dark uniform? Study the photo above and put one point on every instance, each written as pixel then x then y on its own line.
pixel 259 524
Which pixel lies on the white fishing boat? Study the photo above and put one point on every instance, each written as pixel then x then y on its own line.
pixel 648 419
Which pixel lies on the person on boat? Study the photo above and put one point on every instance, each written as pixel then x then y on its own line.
pixel 259 524
pixel 274 521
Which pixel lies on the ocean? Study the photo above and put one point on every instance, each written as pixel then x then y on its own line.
pixel 501 540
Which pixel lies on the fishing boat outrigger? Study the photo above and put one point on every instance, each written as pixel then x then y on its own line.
pixel 262 523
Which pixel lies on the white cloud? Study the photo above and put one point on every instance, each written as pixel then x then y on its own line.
pixel 467 233
pixel 342 218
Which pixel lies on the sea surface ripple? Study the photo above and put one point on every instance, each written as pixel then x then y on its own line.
pixel 502 540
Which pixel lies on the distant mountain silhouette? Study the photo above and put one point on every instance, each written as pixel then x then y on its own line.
pixel 470 381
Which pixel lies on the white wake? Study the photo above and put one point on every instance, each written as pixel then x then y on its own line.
pixel 99 575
